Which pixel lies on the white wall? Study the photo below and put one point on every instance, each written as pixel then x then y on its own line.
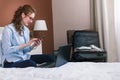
pixel 69 15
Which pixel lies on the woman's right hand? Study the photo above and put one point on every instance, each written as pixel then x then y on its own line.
pixel 31 41
pixel 28 43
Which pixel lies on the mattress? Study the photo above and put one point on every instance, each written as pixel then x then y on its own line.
pixel 69 71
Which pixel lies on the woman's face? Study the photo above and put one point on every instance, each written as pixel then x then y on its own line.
pixel 27 19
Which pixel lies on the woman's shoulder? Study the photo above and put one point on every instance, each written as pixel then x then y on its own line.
pixel 9 27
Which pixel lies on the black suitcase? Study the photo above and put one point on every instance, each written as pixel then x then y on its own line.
pixel 87 38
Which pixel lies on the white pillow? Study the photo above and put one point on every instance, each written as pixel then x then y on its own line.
pixel 0 52
pixel 1 29
pixel 0 36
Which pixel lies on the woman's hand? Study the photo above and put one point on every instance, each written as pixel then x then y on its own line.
pixel 36 42
pixel 33 43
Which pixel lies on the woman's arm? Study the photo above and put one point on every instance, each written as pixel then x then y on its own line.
pixel 31 44
pixel 7 46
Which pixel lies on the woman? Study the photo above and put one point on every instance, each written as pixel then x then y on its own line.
pixel 16 43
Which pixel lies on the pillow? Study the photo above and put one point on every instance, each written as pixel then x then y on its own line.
pixel 1 29
pixel 0 36
pixel 0 52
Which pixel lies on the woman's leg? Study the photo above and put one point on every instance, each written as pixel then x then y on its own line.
pixel 20 64
pixel 42 58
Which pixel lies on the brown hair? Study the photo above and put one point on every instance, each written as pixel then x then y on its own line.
pixel 26 9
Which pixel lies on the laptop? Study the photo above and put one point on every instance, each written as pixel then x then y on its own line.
pixel 63 55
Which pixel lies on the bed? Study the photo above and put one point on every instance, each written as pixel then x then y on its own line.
pixel 68 71
pixel 65 70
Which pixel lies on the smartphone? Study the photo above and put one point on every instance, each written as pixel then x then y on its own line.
pixel 41 37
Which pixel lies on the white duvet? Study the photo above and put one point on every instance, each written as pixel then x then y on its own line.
pixel 69 71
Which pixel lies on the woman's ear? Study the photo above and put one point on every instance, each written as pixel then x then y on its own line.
pixel 23 15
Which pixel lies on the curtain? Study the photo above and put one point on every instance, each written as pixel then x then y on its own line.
pixel 117 23
pixel 102 18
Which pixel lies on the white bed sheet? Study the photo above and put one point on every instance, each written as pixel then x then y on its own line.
pixel 69 71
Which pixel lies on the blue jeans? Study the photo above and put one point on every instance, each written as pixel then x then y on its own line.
pixel 35 59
